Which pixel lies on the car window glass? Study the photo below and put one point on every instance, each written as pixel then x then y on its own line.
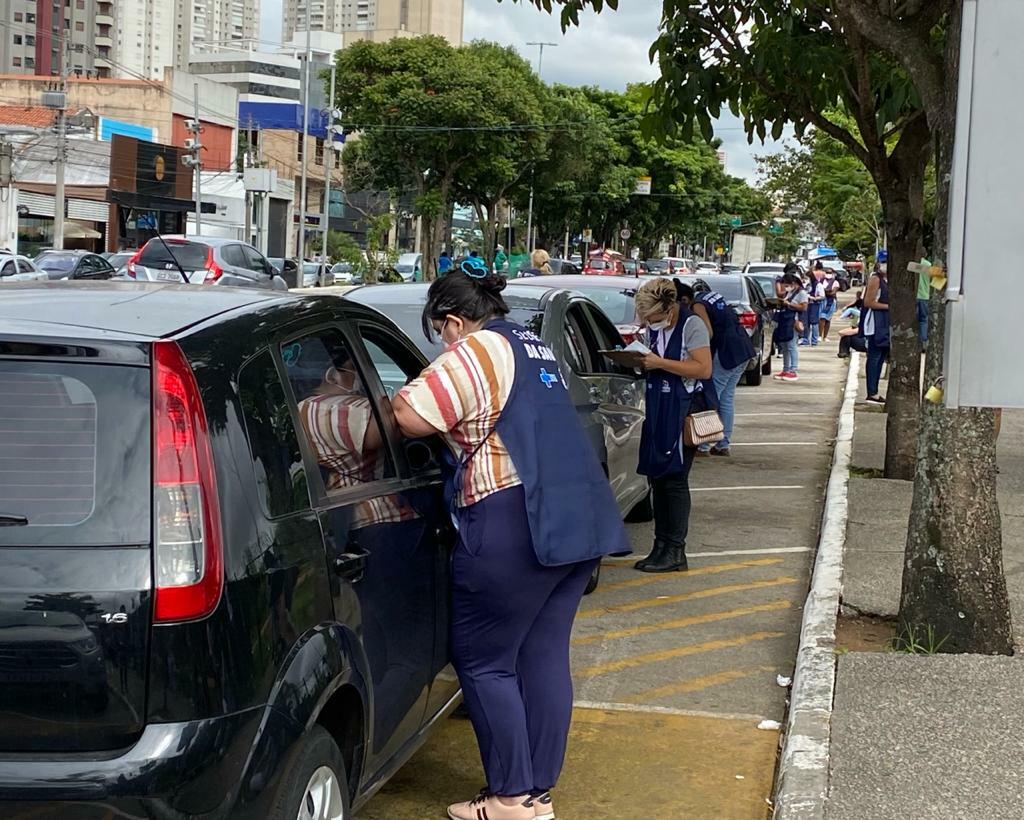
pixel 8 268
pixel 335 412
pixel 170 253
pixel 273 442
pixel 254 260
pixel 232 255
pixel 394 366
pixel 580 353
pixel 24 266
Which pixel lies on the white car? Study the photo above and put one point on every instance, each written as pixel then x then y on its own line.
pixel 776 268
pixel 410 267
pixel 15 268
pixel 710 267
pixel 316 275
pixel 342 273
pixel 678 264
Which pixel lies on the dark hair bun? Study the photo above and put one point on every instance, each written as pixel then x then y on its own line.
pixel 493 283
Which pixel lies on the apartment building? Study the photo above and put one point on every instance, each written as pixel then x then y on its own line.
pixel 39 34
pixel 376 20
pixel 212 23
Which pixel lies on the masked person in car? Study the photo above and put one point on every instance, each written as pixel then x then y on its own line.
pixel 534 512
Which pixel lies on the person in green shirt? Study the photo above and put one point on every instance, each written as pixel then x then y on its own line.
pixel 500 259
pixel 923 293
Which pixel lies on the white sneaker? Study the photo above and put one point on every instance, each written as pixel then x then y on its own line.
pixel 543 807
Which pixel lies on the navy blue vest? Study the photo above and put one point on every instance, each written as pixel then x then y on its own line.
pixel 881 335
pixel 571 507
pixel 729 339
pixel 660 450
pixel 785 323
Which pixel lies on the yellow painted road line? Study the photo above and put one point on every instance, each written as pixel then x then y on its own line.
pixel 664 600
pixel 693 620
pixel 713 569
pixel 677 652
pixel 697 684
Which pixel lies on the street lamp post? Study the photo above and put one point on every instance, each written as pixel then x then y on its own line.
pixel 529 217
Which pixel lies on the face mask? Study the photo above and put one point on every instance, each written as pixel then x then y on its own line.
pixel 662 325
pixel 447 345
pixel 884 268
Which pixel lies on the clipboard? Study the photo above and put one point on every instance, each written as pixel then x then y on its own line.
pixel 627 358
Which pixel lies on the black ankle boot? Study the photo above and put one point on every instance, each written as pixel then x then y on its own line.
pixel 670 559
pixel 655 555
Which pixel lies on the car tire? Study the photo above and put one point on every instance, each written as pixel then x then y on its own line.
pixel 642 511
pixel 595 579
pixel 315 785
pixel 753 376
pixel 766 366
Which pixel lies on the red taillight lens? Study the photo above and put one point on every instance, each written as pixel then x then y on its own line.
pixel 188 554
pixel 748 320
pixel 132 262
pixel 213 270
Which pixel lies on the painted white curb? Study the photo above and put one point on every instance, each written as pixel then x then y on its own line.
pixel 803 766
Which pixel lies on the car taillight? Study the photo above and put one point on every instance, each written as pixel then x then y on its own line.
pixel 188 554
pixel 213 270
pixel 748 320
pixel 132 262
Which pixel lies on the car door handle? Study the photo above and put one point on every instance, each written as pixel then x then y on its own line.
pixel 351 565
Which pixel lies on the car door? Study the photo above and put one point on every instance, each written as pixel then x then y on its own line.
pixel 235 266
pixel 27 266
pixel 382 583
pixel 619 394
pixel 759 305
pixel 430 539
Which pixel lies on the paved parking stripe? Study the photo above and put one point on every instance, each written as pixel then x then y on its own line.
pixel 714 569
pixel 628 561
pixel 777 444
pixel 664 600
pixel 697 684
pixel 693 620
pixel 771 487
pixel 677 652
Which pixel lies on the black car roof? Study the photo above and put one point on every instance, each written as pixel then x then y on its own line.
pixel 132 308
pixel 517 296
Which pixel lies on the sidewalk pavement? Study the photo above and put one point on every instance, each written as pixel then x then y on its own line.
pixel 918 736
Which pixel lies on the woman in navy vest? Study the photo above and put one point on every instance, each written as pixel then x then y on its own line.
pixel 535 513
pixel 875 328
pixel 678 383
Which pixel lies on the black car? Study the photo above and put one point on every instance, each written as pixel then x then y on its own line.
pixel 745 296
pixel 214 604
pixel 287 269
pixel 74 265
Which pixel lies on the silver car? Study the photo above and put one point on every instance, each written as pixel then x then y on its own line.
pixel 19 269
pixel 204 260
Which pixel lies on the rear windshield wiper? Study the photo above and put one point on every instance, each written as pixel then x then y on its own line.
pixel 167 248
pixel 8 520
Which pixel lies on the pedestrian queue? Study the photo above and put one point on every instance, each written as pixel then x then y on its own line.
pixel 679 370
pixel 731 350
pixel 789 324
pixel 534 512
pixel 874 325
pixel 832 286
pixel 815 301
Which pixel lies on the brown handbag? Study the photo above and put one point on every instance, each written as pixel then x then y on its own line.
pixel 703 428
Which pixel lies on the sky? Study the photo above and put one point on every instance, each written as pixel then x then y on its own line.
pixel 609 50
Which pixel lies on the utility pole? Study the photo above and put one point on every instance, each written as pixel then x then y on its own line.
pixel 529 217
pixel 305 137
pixel 328 164
pixel 193 159
pixel 249 198
pixel 58 100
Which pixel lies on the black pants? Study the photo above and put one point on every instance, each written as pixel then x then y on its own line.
pixel 855 342
pixel 670 497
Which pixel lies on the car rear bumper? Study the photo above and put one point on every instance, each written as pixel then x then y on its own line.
pixel 191 769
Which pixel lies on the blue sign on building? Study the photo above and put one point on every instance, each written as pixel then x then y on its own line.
pixel 109 127
pixel 282 117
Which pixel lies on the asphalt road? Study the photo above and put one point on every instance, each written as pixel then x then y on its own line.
pixel 674 672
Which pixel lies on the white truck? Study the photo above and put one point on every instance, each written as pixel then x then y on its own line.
pixel 747 248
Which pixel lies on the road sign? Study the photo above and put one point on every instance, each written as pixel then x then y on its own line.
pixel 736 221
pixel 775 230
pixel 625 233
pixel 588 235
pixel 643 186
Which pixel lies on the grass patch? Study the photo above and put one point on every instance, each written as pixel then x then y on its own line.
pixel 866 472
pixel 911 641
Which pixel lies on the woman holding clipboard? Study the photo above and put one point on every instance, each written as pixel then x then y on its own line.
pixel 678 367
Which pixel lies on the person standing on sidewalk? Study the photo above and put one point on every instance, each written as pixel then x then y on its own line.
pixel 534 512
pixel 828 308
pixel 875 326
pixel 815 300
pixel 678 370
pixel 731 349
pixel 794 304
pixel 924 290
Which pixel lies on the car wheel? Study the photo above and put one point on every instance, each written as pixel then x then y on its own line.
pixel 595 579
pixel 753 376
pixel 315 787
pixel 642 511
pixel 766 367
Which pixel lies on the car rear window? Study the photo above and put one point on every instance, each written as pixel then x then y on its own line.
pixel 56 262
pixel 75 454
pixel 190 255
pixel 616 304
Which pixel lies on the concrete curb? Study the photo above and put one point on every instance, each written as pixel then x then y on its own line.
pixel 803 766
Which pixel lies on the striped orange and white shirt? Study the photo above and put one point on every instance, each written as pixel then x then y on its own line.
pixel 463 393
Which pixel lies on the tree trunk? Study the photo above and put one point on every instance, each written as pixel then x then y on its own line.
pixel 954 588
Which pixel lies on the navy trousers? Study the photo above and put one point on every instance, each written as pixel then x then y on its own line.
pixel 511 620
